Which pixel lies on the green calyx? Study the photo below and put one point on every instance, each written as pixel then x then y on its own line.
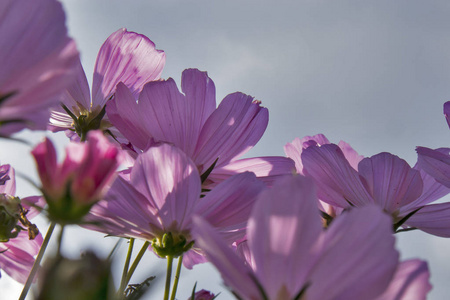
pixel 172 245
pixel 86 121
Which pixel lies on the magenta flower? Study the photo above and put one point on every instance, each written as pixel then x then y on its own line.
pixel 71 188
pixel 383 179
pixel 157 200
pixel 447 112
pixel 192 122
pixel 203 295
pixel 38 61
pixel 290 256
pixel 17 247
pixel 126 57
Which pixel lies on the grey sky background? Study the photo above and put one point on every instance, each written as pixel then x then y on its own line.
pixel 372 73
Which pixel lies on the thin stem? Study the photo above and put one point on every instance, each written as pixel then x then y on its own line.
pixel 37 262
pixel 177 278
pixel 60 239
pixel 126 266
pixel 168 276
pixel 136 261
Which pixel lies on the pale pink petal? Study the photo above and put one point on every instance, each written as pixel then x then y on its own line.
pixel 391 181
pixel 350 154
pixel 192 258
pixel 433 219
pixel 162 111
pixel 17 256
pixel 436 163
pixel 338 183
pixel 228 205
pixel 358 259
pixel 37 59
pixel 200 103
pixel 411 282
pixel 164 173
pixel 282 234
pixel 125 57
pixel 125 114
pixel 234 272
pixel 294 150
pixel 232 129
pixel 267 169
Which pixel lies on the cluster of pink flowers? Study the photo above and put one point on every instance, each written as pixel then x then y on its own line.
pixel 317 224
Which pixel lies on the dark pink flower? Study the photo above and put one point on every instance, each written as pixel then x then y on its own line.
pixel 37 59
pixel 17 247
pixel 157 200
pixel 191 121
pixel 288 255
pixel 126 57
pixel 72 187
pixel 344 180
pixel 203 295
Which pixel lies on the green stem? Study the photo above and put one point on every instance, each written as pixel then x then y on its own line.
pixel 37 262
pixel 168 276
pixel 126 266
pixel 60 239
pixel 177 278
pixel 136 261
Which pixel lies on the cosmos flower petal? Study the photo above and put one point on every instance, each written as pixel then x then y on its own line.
pixel 38 60
pixel 228 205
pixel 267 168
pixel 126 57
pixel 433 219
pixel 337 182
pixel 285 225
pixel 235 273
pixel 200 100
pixel 447 112
pixel 411 282
pixel 232 129
pixel 436 163
pixel 7 180
pixel 369 231
pixel 166 175
pixel 391 181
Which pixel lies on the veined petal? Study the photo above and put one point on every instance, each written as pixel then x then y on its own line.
pixel 163 113
pixel 232 129
pixel 337 182
pixel 436 163
pixel 238 276
pixel 200 103
pixel 362 238
pixel 282 234
pixel 126 57
pixel 390 180
pixel 433 219
pixel 228 205
pixel 166 175
pixel 411 282
pixel 267 169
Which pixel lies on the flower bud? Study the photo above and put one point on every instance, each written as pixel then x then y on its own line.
pixel 71 188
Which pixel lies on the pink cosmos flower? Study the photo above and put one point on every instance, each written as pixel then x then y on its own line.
pixel 157 200
pixel 72 187
pixel 344 180
pixel 288 255
pixel 126 57
pixel 203 295
pixel 37 61
pixel 17 249
pixel 191 121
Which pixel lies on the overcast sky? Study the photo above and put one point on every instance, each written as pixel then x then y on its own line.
pixel 372 73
